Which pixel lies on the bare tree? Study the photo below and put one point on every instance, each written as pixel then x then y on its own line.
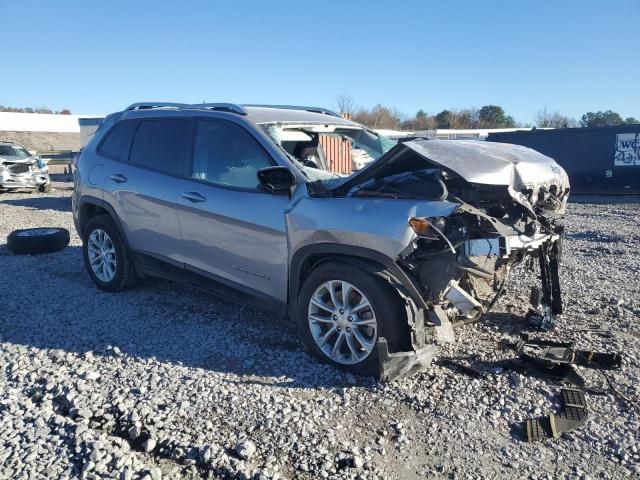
pixel 379 117
pixel 32 110
pixel 467 118
pixel 345 104
pixel 547 119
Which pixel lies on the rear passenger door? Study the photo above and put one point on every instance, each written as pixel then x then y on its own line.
pixel 232 231
pixel 144 188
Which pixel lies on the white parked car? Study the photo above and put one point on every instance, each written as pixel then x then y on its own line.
pixel 21 169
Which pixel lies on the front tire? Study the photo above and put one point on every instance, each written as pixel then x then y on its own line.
pixel 343 310
pixel 106 257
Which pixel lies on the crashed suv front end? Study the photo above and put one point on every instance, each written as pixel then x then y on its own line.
pixel 19 169
pixel 459 217
pixel 465 264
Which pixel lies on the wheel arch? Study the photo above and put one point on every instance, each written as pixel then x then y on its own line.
pixel 90 207
pixel 309 257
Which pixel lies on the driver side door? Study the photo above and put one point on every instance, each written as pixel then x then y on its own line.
pixel 232 231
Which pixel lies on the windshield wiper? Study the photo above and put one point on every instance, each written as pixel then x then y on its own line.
pixel 375 193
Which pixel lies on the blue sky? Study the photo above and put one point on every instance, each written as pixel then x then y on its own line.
pixel 97 57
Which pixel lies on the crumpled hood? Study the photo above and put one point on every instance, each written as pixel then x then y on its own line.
pixel 524 171
pixel 17 160
pixel 493 163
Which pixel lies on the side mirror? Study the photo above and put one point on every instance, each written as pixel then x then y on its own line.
pixel 276 179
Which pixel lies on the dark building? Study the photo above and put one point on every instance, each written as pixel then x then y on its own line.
pixel 597 160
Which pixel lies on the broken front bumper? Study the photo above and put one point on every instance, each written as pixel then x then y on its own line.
pixel 503 246
pixel 482 268
pixel 30 179
pixel 403 364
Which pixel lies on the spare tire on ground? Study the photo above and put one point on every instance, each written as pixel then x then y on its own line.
pixel 37 240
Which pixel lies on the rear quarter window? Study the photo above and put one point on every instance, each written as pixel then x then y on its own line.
pixel 117 140
pixel 160 145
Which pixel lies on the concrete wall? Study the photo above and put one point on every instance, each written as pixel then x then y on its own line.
pixel 44 131
pixel 43 141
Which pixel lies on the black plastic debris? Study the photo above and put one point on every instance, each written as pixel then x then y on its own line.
pixel 550 355
pixel 395 365
pixel 547 300
pixel 573 415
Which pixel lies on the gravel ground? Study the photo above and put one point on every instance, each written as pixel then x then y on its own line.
pixel 166 382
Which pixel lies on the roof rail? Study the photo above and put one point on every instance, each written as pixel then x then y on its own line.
pixel 149 105
pixel 227 107
pixel 296 107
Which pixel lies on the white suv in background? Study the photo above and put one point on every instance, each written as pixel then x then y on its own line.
pixel 21 169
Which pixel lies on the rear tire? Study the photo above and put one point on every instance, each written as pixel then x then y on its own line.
pixel 106 257
pixel 359 327
pixel 46 188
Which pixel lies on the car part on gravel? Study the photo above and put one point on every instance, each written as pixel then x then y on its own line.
pixel 549 354
pixel 393 366
pixel 573 415
pixel 556 359
pixel 603 332
pixel 33 241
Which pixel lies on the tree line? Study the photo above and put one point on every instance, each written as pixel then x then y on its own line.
pixel 64 111
pixel 488 116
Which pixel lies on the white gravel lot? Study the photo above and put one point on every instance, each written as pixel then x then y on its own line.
pixel 167 382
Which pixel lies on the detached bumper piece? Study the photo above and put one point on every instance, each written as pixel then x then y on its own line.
pixel 401 364
pixel 573 415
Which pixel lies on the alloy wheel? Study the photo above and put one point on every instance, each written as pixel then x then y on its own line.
pixel 342 322
pixel 102 255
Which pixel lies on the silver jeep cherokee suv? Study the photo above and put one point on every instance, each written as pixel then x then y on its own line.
pixel 372 267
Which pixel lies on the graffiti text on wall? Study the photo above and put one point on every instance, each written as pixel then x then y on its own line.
pixel 627 150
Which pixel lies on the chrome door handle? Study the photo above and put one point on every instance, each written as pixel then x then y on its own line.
pixel 118 178
pixel 194 197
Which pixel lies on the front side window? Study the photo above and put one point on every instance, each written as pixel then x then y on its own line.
pixel 159 144
pixel 6 150
pixel 227 154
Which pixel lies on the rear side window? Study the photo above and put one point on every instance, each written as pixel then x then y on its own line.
pixel 116 142
pixel 160 144
pixel 227 154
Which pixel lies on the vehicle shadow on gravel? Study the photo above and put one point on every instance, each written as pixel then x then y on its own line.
pixel 157 320
pixel 40 202
pixel 503 322
pixel 604 199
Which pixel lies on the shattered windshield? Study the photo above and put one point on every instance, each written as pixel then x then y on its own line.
pixel 302 144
